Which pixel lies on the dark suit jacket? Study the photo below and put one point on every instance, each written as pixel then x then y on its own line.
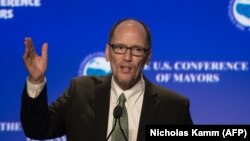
pixel 82 111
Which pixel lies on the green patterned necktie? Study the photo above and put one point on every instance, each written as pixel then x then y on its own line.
pixel 117 135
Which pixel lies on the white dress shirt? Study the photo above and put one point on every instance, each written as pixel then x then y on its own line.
pixel 34 90
pixel 134 99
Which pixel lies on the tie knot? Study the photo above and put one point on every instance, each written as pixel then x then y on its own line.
pixel 122 99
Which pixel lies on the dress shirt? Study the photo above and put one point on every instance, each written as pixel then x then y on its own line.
pixel 34 90
pixel 134 99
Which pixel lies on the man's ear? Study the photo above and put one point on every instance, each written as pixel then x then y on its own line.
pixel 107 52
pixel 148 57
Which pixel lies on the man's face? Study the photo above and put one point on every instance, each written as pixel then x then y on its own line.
pixel 127 68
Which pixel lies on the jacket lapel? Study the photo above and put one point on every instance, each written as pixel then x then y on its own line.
pixel 149 107
pixel 102 98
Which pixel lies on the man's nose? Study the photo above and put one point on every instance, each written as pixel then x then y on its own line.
pixel 127 56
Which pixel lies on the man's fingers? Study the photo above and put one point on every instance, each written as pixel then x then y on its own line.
pixel 30 46
pixel 26 53
pixel 27 42
pixel 45 50
pixel 30 53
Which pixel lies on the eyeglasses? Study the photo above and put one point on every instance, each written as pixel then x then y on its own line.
pixel 122 49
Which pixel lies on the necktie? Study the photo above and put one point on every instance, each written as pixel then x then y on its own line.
pixel 117 135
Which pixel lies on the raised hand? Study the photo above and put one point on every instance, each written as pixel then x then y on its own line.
pixel 35 64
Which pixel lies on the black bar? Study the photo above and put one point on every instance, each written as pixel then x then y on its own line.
pixel 222 132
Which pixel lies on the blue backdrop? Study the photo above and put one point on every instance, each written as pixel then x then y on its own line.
pixel 200 50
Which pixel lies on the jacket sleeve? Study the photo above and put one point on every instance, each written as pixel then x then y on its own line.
pixel 40 121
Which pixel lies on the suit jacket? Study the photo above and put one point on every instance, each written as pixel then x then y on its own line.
pixel 82 111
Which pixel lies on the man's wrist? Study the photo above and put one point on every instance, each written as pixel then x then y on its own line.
pixel 34 90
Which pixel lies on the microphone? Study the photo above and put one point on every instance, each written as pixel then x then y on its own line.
pixel 117 113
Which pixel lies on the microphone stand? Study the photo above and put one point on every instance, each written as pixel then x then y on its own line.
pixel 117 113
pixel 113 129
pixel 122 130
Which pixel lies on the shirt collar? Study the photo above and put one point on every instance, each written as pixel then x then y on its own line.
pixel 131 94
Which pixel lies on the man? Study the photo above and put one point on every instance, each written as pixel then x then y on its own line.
pixel 85 110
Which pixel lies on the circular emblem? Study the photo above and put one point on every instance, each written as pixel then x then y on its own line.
pixel 239 12
pixel 94 64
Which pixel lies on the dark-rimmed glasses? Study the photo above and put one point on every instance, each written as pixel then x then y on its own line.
pixel 122 49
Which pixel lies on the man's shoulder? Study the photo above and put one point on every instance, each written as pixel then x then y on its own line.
pixel 168 94
pixel 91 79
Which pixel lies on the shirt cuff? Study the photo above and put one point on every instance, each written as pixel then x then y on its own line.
pixel 34 90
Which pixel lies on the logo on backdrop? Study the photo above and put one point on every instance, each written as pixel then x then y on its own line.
pixel 239 12
pixel 94 64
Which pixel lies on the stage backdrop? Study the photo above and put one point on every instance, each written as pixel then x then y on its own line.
pixel 201 49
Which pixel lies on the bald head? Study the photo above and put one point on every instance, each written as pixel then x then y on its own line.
pixel 131 25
